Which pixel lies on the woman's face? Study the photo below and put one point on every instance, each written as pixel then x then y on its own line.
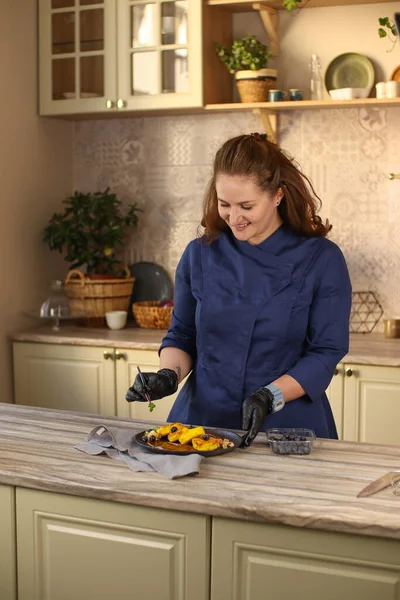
pixel 251 213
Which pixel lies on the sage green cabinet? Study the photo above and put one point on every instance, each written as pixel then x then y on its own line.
pixel 365 400
pixel 8 589
pixel 72 548
pixel 254 561
pixel 335 397
pixel 84 379
pixel 112 56
pixel 77 378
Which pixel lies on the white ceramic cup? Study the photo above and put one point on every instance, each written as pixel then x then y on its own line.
pixel 116 319
pixel 380 89
pixel 392 89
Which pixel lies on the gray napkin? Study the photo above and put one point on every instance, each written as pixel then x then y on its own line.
pixel 118 443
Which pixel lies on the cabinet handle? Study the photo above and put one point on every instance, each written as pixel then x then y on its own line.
pixel 121 103
pixel 110 104
pixel 107 354
pixel 349 372
pixel 119 355
pixel 336 371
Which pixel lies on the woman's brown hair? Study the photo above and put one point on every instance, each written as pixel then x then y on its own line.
pixel 271 168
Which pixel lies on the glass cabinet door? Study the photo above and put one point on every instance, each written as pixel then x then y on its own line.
pixel 77 55
pixel 159 53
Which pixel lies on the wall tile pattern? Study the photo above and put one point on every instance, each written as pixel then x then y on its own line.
pixel 164 164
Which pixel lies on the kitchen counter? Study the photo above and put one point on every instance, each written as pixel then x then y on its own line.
pixel 317 491
pixel 365 349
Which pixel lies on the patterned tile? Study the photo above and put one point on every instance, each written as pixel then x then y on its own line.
pixel 164 163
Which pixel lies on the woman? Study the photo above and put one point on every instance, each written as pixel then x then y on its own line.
pixel 262 302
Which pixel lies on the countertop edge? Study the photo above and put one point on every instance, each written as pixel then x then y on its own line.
pixel 275 517
pixel 374 350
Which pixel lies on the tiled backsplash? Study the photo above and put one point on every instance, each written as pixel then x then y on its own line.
pixel 164 164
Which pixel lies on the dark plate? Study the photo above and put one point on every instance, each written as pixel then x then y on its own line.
pixel 222 433
pixel 152 282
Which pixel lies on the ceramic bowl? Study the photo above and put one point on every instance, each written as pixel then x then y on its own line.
pixel 116 319
pixel 348 93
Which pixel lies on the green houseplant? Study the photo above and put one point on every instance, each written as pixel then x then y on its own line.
pixel 387 28
pixel 90 229
pixel 248 59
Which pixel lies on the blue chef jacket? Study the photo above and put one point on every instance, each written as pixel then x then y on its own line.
pixel 249 314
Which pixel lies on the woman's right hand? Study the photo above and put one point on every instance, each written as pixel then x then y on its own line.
pixel 160 384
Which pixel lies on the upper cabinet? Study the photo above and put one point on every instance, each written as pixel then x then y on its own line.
pixel 103 56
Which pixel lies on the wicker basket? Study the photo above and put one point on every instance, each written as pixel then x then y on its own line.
pixel 95 297
pixel 253 86
pixel 150 314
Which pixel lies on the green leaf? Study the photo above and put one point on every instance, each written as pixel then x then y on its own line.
pixel 245 53
pixel 90 223
pixel 382 33
pixel 290 4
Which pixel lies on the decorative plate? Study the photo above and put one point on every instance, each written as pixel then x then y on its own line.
pixel 152 282
pixel 228 434
pixel 350 70
pixel 395 76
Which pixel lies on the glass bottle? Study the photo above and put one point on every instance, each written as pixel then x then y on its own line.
pixel 316 83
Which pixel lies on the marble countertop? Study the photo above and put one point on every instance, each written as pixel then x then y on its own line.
pixel 366 349
pixel 316 491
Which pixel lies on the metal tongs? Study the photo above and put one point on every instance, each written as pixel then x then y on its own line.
pixel 146 391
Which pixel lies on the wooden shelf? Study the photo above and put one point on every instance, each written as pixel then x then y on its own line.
pixel 274 107
pixel 268 111
pixel 246 5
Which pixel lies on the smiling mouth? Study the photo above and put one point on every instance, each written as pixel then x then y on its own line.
pixel 241 227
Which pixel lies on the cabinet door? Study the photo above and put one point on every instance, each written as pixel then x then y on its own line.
pixel 372 404
pixel 335 397
pixel 77 55
pixel 7 544
pixel 126 371
pixel 253 561
pixel 66 377
pixel 159 54
pixel 79 548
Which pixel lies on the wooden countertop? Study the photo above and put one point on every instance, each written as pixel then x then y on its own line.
pixel 365 349
pixel 316 491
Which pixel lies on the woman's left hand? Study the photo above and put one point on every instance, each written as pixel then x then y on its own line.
pixel 254 410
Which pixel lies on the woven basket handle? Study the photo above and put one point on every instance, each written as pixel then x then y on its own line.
pixel 75 273
pixel 125 270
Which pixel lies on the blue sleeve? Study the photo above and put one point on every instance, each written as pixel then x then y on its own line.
pixel 327 340
pixel 182 331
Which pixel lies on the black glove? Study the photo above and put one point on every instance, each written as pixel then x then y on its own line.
pixel 254 410
pixel 160 384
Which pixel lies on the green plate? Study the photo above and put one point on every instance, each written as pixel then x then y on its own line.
pixel 350 70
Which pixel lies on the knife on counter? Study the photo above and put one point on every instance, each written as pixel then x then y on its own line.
pixel 379 484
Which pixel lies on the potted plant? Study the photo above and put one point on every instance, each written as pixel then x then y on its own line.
pixel 247 59
pixel 388 29
pixel 90 230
